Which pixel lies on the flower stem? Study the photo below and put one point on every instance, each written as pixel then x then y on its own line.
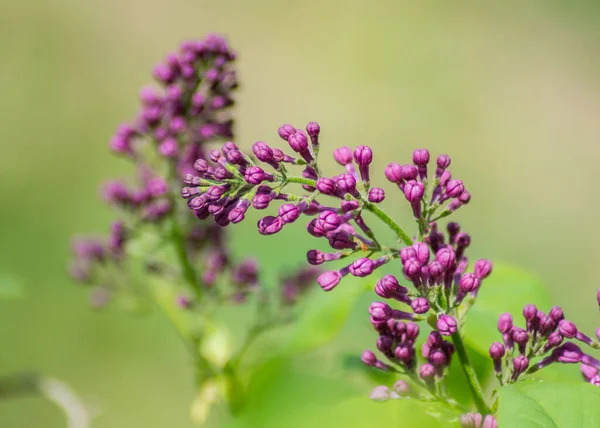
pixel 186 265
pixel 470 374
pixel 401 234
pixel 301 180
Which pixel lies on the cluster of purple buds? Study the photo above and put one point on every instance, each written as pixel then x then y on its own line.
pixel 546 339
pixel 428 195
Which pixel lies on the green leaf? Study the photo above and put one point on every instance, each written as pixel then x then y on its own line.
pixel 11 287
pixel 544 404
pixel 324 315
pixel 508 289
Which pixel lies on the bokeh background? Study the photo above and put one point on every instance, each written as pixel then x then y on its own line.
pixel 509 89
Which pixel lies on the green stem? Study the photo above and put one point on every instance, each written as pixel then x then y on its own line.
pixel 401 234
pixel 186 265
pixel 470 374
pixel 301 180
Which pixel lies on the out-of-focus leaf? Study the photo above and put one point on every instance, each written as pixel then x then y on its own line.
pixel 507 289
pixel 546 404
pixel 11 287
pixel 324 315
pixel 205 399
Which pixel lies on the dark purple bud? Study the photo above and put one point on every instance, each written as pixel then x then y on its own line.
pixel 554 340
pixel 505 323
pixel 237 214
pixel 279 156
pixel 407 253
pixel 443 161
pixel 447 258
pixel 254 175
pixel 363 155
pixel 214 155
pixel 315 228
pixel 436 270
pixel 326 186
pixel 520 336
pixel 446 325
pixel 362 267
pixel 427 372
pixel 567 353
pixel 567 329
pixel 298 142
pixel 388 286
pixel 483 268
pixel 235 157
pixel 201 166
pixel 412 268
pixel 557 314
pixel 262 151
pixel 413 191
pixel 289 213
pixel 497 351
pixel 384 344
pixel 368 358
pixel 329 221
pixel 380 311
pixel 286 131
pixel 421 157
pixel 376 195
pixel 404 354
pixel 328 280
pixel 313 129
pixel 422 252
pixel 315 257
pixel 412 331
pixel 393 172
pixel 438 358
pixel 347 183
pixel 348 206
pixel 269 225
pixel 214 193
pixel 530 312
pixel 409 172
pixel 454 188
pixel 469 282
pixel 420 305
pixel 221 173
pixel 520 364
pixel 547 325
pixel 261 201
pixel 343 155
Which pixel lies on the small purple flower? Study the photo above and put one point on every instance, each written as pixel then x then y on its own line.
pixel 409 172
pixel 261 201
pixel 313 129
pixel 446 325
pixel 380 311
pixel 567 329
pixel 413 191
pixel 326 186
pixel 567 353
pixel 557 314
pixel 393 172
pixel 520 337
pixel 446 257
pixel 328 280
pixel 369 358
pixel 255 175
pixel 289 213
pixel 469 282
pixel 376 195
pixel 420 305
pixel 347 184
pixel 497 351
pixel 262 151
pixel 588 372
pixel 329 221
pixel 520 364
pixel 269 225
pixel 412 268
pixel 363 155
pixel 421 253
pixel 505 323
pixel 427 372
pixel 362 267
pixel 402 388
pixel 286 131
pixel 421 157
pixel 315 257
pixel 483 268
pixel 443 162
pixel 530 312
pixel 298 142
pixel 183 302
pixel 454 188
pixel 343 155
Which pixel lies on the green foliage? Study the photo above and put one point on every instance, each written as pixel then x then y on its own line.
pixel 11 287
pixel 508 289
pixel 546 404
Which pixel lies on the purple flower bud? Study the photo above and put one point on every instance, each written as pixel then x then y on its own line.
pixel 443 162
pixel 547 325
pixel 329 221
pixel 421 157
pixel 497 351
pixel 237 214
pixel 446 325
pixel 446 257
pixel 362 267
pixel 490 422
pixel 363 155
pixel 454 188
pixel 269 225
pixel 412 331
pixel 567 329
pixel 554 339
pixel 313 129
pixel 530 312
pixel 298 142
pixel 368 358
pixel 505 323
pixel 384 344
pixel 393 172
pixel 469 282
pixel 380 311
pixel 347 184
pixel 286 131
pixel 567 353
pixel 557 314
pixel 420 305
pixel 520 336
pixel 483 268
pixel 412 268
pixel 409 172
pixel 376 195
pixel 588 372
pixel 326 186
pixel 315 228
pixel 468 421
pixel 520 364
pixel 427 372
pixel 262 151
pixel 343 155
pixel 328 281
pixel 402 388
pixel 438 358
pixel 315 257
pixel 254 175
pixel 261 201
pixel 413 191
pixel 214 193
pixel 388 287
pixel 289 213
pixel 407 253
pixel 436 270
pixel 201 166
pixel 422 252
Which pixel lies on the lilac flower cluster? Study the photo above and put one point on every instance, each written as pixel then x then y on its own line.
pixel 179 118
pixel 547 338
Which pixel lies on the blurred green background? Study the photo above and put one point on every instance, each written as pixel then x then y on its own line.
pixel 510 90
